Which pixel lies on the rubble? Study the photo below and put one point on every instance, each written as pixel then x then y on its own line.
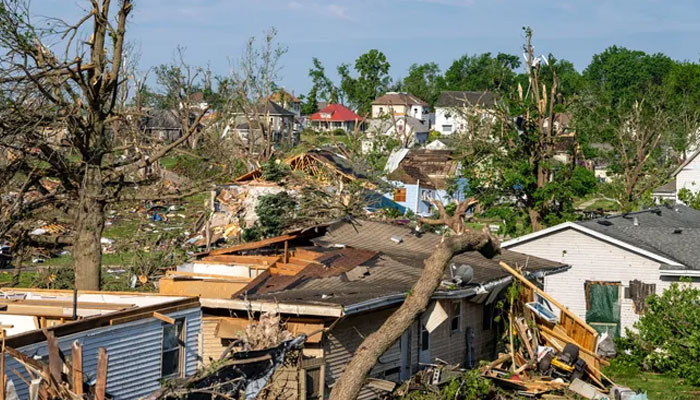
pixel 547 351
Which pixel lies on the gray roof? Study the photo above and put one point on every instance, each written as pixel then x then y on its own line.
pixel 399 98
pixel 391 268
pixel 671 232
pixel 413 249
pixel 454 98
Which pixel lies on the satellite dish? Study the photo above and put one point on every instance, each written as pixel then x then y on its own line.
pixel 462 274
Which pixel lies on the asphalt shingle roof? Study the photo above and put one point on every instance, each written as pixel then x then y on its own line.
pixel 672 232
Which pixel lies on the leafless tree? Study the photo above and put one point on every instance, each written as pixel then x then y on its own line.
pixel 246 96
pixel 61 115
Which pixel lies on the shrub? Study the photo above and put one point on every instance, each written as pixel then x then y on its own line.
pixel 275 212
pixel 668 337
pixel 274 171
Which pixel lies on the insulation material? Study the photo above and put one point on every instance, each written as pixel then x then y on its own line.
pixel 434 316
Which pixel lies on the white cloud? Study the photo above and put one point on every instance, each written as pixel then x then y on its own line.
pixel 294 5
pixel 337 11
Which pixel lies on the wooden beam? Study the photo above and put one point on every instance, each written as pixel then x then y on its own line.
pixel 549 298
pixel 163 318
pixel 77 372
pixel 55 362
pixel 101 377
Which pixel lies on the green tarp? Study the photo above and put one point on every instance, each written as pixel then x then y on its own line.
pixel 603 312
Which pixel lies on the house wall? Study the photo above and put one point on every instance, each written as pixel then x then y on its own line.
pixel 594 260
pixel 689 176
pixel 341 343
pixel 448 116
pixel 414 199
pixel 134 350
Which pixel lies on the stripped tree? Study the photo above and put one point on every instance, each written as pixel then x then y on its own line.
pixel 460 239
pixel 63 119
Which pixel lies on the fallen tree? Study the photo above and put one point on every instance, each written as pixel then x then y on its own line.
pixel 460 239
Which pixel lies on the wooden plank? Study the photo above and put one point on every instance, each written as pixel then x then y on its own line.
pixel 147 314
pixel 564 311
pixel 163 318
pixel 77 372
pixel 218 289
pixel 67 304
pixel 567 339
pixel 251 245
pixel 229 328
pixel 3 378
pixel 55 362
pixel 101 376
pixel 202 276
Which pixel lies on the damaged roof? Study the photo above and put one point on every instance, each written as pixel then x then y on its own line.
pixel 431 167
pixel 364 261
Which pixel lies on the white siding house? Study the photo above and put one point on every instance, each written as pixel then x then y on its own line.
pixel 603 254
pixel 452 107
pixel 686 176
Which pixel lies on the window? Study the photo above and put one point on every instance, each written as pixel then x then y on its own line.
pixel 173 349
pixel 424 338
pixel 312 378
pixel 400 194
pixel 381 110
pixel 488 316
pixel 455 320
pixel 447 128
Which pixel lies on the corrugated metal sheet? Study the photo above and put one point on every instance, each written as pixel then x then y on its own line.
pixel 134 351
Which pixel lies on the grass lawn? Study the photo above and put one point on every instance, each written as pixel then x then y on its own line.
pixel 657 386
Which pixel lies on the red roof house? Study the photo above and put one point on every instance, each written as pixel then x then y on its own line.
pixel 335 116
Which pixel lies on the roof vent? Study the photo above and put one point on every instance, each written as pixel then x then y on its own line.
pixel 678 231
pixel 604 222
pixel 635 221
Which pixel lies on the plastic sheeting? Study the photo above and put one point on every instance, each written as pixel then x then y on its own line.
pixel 603 312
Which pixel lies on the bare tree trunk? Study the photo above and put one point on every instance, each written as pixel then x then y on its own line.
pixel 351 381
pixel 89 224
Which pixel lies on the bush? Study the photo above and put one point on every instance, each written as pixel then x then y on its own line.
pixel 668 337
pixel 274 171
pixel 275 212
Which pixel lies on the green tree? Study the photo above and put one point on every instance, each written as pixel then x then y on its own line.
pixel 621 75
pixel 323 86
pixel 514 158
pixel 481 72
pixel 372 80
pixel 310 104
pixel 423 81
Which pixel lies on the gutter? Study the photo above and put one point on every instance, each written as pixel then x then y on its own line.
pixel 267 306
pixel 680 273
pixel 384 301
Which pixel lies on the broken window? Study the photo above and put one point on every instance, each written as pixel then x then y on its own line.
pixel 488 316
pixel 400 194
pixel 173 349
pixel 638 291
pixel 456 319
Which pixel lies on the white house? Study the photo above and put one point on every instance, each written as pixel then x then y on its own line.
pixel 617 261
pixel 452 106
pixel 399 104
pixel 686 176
pixel 407 130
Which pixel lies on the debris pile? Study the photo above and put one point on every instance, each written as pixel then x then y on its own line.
pixel 548 348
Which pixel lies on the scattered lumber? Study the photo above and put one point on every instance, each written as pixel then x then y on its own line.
pixel 546 351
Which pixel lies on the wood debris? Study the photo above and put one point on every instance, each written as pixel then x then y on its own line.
pixel 549 348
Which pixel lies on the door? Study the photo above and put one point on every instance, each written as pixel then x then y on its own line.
pixel 603 306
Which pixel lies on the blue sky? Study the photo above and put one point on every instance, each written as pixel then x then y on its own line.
pixel 407 31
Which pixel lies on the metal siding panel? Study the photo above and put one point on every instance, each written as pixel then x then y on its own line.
pixel 134 354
